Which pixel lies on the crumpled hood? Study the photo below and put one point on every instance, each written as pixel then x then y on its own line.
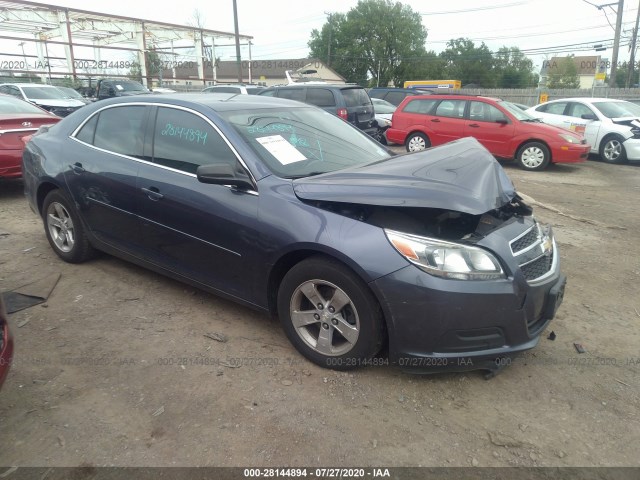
pixel 460 176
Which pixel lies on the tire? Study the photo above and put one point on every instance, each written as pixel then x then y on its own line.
pixel 64 229
pixel 612 150
pixel 417 142
pixel 533 156
pixel 340 339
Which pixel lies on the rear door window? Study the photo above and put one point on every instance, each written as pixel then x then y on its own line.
pixel 322 97
pixel 483 112
pixel 557 108
pixel 121 130
pixel 420 106
pixel 451 108
pixel 292 94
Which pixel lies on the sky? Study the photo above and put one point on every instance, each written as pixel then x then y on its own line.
pixel 281 28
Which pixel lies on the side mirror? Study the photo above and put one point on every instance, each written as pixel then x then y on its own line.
pixel 588 116
pixel 223 174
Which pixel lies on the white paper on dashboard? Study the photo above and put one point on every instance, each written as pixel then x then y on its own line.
pixel 282 150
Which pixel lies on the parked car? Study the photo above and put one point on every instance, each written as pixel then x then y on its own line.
pixel 349 102
pixel 505 130
pixel 18 119
pixel 383 111
pixel 611 127
pixel 6 343
pixel 287 209
pixel 74 94
pixel 110 88
pixel 395 95
pixel 48 97
pixel 237 89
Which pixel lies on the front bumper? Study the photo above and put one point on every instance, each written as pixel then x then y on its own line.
pixel 632 148
pixel 438 324
pixel 570 153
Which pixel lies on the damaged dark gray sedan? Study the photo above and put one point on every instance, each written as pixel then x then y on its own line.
pixel 288 209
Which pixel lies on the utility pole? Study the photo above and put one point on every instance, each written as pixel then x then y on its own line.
pixel 235 23
pixel 616 45
pixel 632 57
pixel 329 43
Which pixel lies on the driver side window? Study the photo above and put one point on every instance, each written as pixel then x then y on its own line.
pixel 185 141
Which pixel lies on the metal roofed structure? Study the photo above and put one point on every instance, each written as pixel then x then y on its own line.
pixel 68 42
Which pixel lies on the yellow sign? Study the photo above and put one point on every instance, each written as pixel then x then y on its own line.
pixel 544 97
pixel 601 76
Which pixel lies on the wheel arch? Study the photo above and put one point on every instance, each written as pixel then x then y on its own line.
pixel 44 189
pixel 287 261
pixel 522 143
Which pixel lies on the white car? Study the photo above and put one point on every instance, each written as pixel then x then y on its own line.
pixel 383 111
pixel 611 127
pixel 48 97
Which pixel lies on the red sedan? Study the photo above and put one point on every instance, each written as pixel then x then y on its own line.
pixel 6 344
pixel 504 129
pixel 18 119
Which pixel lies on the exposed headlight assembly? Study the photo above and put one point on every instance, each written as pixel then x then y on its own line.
pixel 446 259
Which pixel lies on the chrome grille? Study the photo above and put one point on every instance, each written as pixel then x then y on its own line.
pixel 538 267
pixel 521 243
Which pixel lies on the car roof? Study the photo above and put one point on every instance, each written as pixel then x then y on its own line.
pixel 453 97
pixel 320 85
pixel 219 102
pixel 587 100
pixel 24 84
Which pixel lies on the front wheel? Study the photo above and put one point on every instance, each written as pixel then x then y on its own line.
pixel 64 229
pixel 329 314
pixel 533 156
pixel 612 150
pixel 416 142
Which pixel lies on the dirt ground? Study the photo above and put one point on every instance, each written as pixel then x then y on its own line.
pixel 115 368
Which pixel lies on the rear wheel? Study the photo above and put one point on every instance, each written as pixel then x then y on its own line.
pixel 64 229
pixel 533 156
pixel 612 150
pixel 416 142
pixel 329 314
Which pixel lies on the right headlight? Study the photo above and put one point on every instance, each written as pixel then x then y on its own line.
pixel 446 259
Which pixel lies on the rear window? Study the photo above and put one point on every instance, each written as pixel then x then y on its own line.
pixel 355 97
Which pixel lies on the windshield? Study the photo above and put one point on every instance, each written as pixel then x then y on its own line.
pixel 43 92
pixel 69 92
pixel 382 106
pixel 618 109
pixel 13 105
pixel 299 142
pixel 516 112
pixel 129 87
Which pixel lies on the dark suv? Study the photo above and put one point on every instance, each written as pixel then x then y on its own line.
pixel 395 95
pixel 349 102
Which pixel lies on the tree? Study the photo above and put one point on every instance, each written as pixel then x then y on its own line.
pixel 513 69
pixel 622 73
pixel 563 74
pixel 377 39
pixel 468 63
pixel 154 66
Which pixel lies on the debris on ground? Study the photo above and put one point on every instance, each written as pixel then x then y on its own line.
pixel 218 337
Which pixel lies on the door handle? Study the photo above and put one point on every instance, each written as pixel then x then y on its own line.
pixel 153 193
pixel 435 120
pixel 77 168
pixel 474 125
